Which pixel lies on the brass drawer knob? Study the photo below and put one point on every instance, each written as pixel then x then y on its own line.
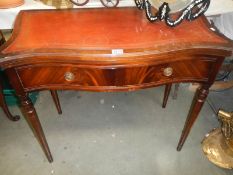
pixel 69 76
pixel 168 72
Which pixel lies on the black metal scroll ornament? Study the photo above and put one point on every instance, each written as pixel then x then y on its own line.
pixel 195 9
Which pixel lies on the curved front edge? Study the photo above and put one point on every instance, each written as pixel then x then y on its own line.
pixel 76 77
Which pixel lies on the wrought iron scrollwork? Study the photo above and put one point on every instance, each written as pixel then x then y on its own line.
pixel 195 9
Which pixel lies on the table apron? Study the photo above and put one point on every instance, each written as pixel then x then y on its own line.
pixel 62 76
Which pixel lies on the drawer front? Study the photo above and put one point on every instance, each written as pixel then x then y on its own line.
pixel 39 76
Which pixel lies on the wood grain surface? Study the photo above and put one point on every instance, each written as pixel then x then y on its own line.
pixel 113 49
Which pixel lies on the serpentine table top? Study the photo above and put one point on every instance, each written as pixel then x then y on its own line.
pixel 7 16
pixel 109 50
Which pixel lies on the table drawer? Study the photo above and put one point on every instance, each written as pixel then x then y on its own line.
pixel 75 75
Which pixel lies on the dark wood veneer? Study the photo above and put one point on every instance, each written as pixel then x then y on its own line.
pixel 113 77
pixel 74 49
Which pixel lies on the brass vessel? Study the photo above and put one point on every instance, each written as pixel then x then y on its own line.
pixel 218 144
pixel 4 4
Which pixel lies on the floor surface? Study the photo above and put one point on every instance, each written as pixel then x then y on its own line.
pixel 110 134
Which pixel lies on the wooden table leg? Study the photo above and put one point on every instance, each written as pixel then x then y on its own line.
pixel 2 98
pixel 176 89
pixel 166 94
pixel 4 105
pixel 32 118
pixel 56 101
pixel 29 112
pixel 196 106
pixel 2 39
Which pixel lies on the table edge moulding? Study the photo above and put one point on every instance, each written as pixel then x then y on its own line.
pixel 114 49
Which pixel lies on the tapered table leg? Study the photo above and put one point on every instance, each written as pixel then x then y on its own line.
pixel 196 106
pixel 32 119
pixel 166 94
pixel 176 89
pixel 4 105
pixel 2 98
pixel 2 38
pixel 56 101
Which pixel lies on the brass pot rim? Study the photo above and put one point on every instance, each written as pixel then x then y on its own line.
pixel 7 4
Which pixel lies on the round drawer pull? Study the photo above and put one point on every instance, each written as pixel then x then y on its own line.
pixel 69 76
pixel 168 71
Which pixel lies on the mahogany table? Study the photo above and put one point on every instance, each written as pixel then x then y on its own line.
pixel 109 50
